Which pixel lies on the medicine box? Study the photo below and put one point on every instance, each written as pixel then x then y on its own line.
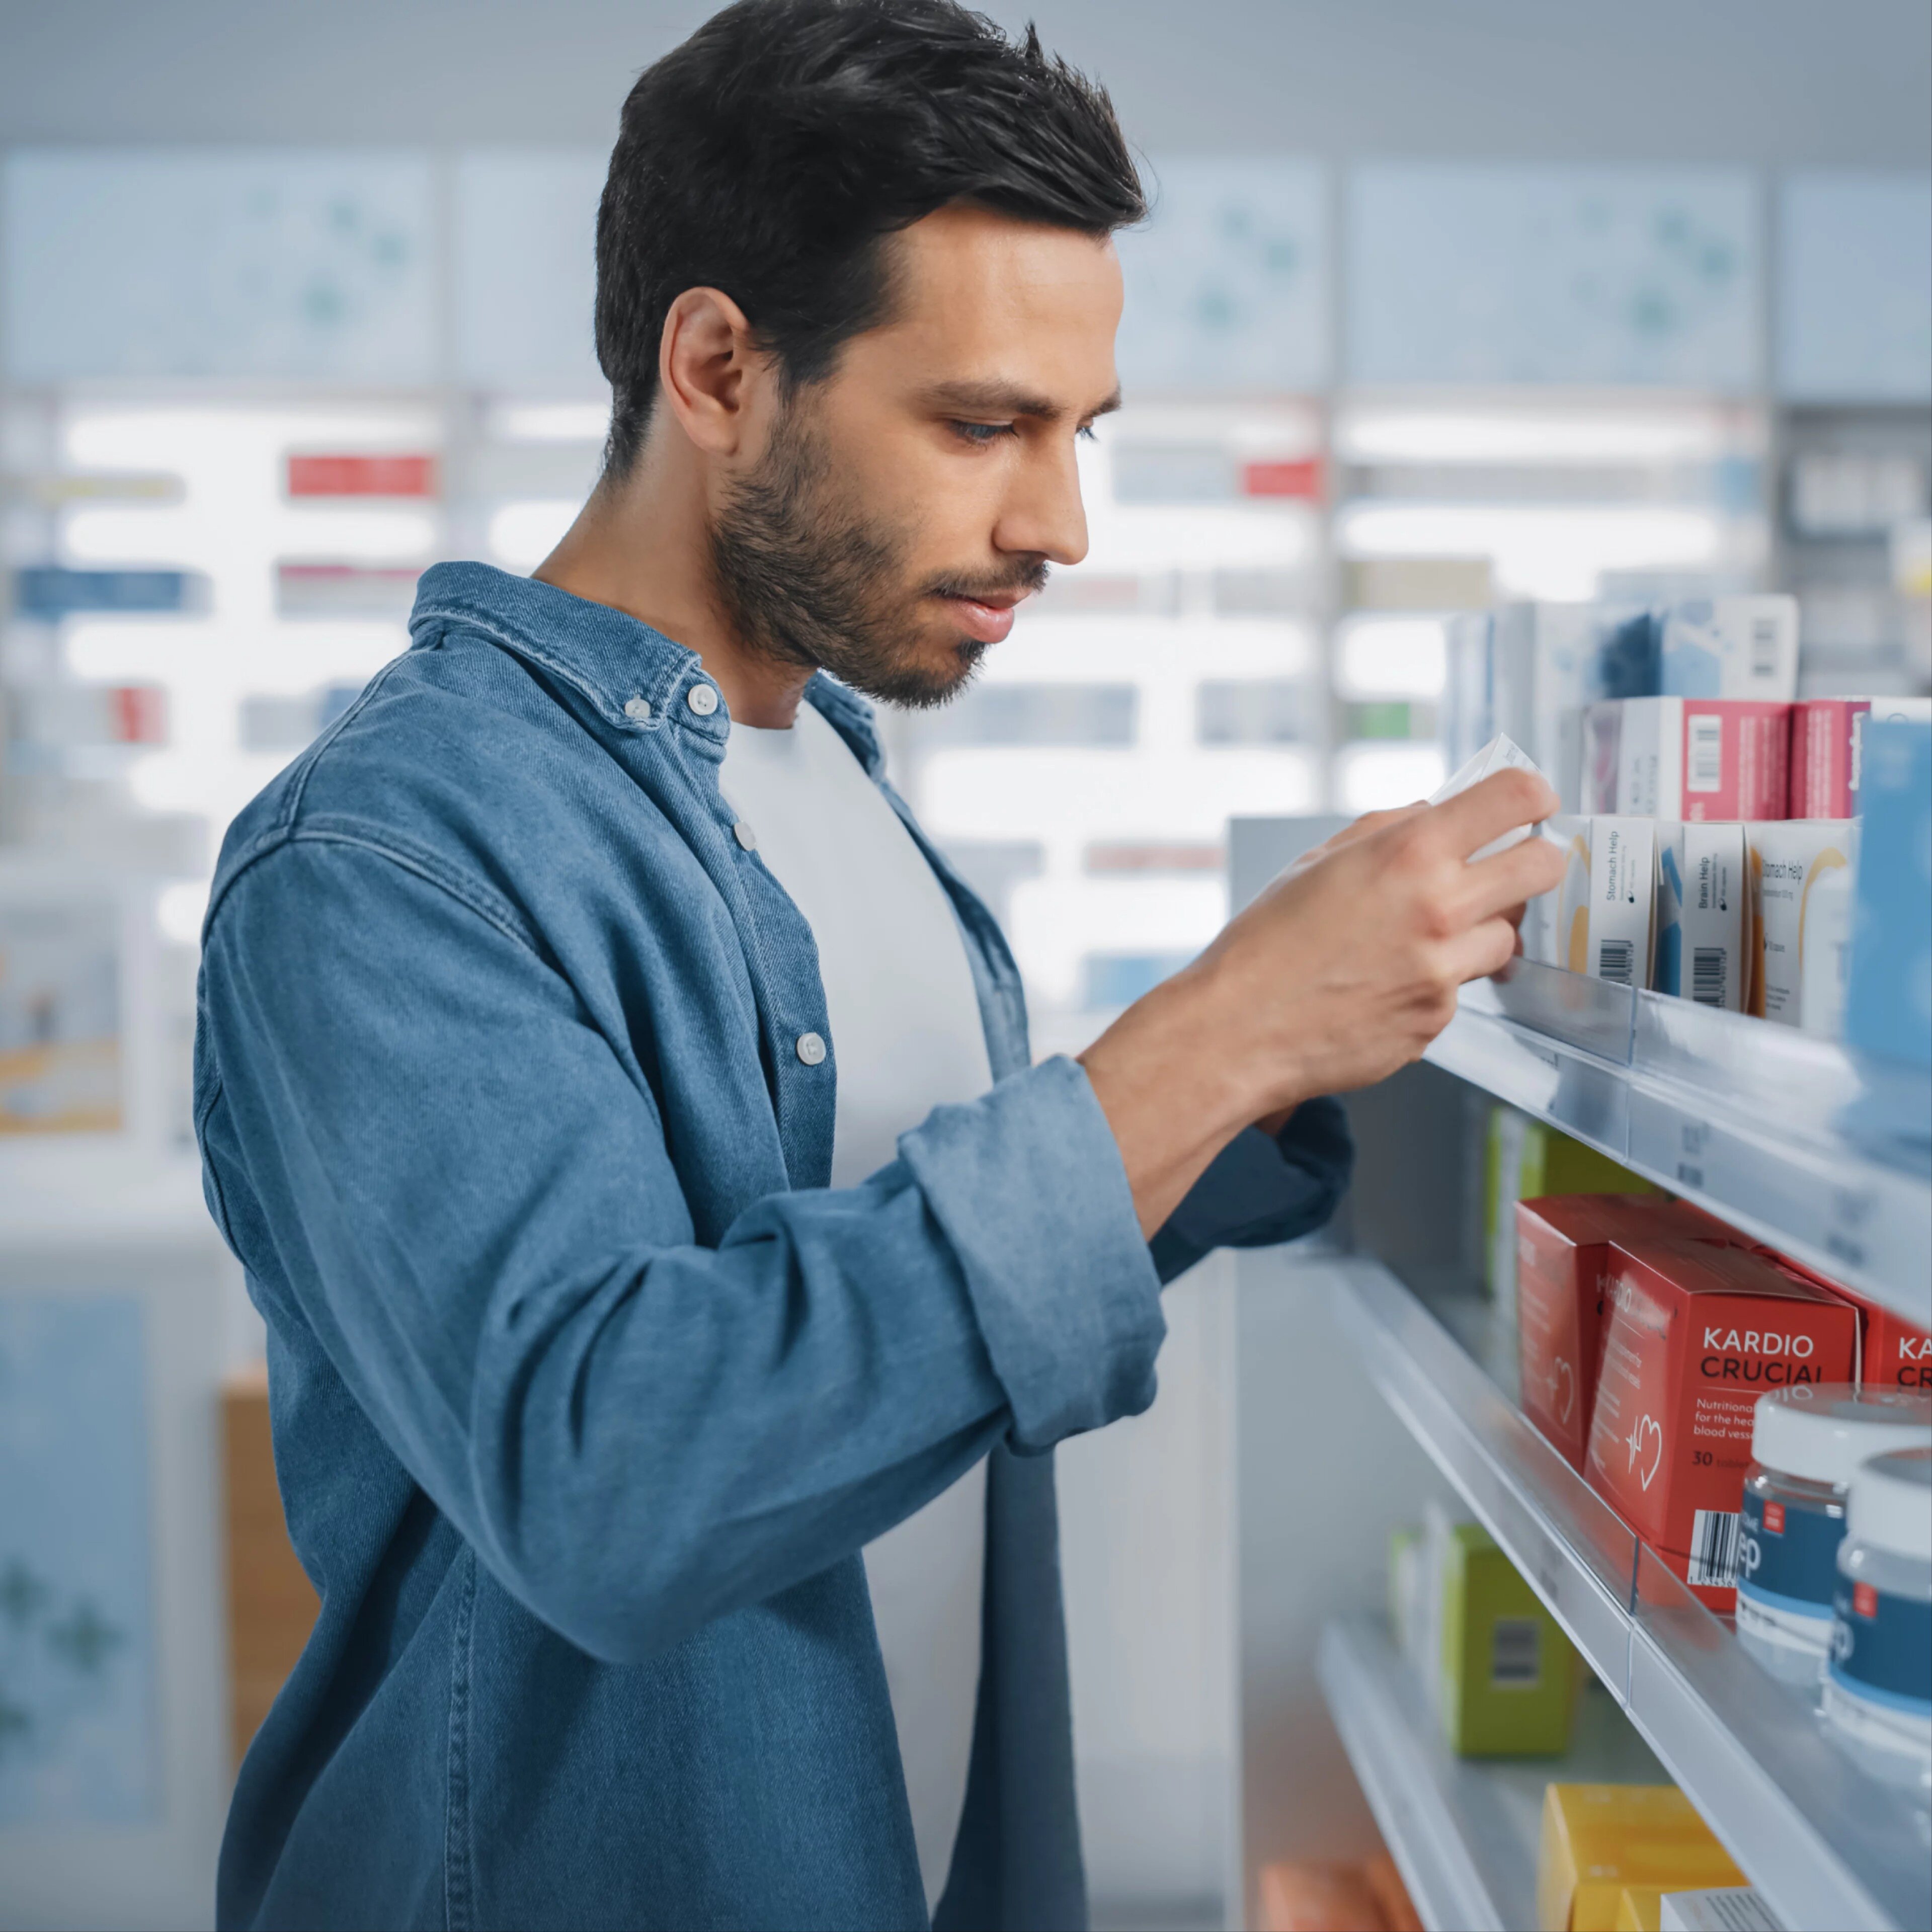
pixel 1696 758
pixel 1789 861
pixel 1548 661
pixel 1735 1908
pixel 1693 1333
pixel 1623 900
pixel 1556 924
pixel 1563 1249
pixel 1703 914
pixel 1527 1158
pixel 1598 920
pixel 1736 647
pixel 1639 1908
pixel 1888 1000
pixel 1501 754
pixel 1597 1839
pixel 1892 1354
pixel 1828 750
pixel 1507 1675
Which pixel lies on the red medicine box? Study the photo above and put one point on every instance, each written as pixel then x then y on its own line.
pixel 1892 1354
pixel 1693 1333
pixel 1562 1263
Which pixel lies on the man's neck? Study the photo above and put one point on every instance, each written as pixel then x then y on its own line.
pixel 642 546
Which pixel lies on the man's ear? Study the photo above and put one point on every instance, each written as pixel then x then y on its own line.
pixel 708 367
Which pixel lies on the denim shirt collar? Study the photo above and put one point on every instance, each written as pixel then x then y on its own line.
pixel 636 678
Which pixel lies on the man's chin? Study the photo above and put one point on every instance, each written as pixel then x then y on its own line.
pixel 924 680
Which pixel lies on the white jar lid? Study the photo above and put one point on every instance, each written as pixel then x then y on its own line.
pixel 1821 1432
pixel 1890 1503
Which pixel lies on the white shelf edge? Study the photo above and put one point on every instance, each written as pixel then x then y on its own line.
pixel 1392 1764
pixel 1854 1219
pixel 1766 1828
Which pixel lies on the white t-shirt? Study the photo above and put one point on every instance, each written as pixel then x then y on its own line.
pixel 908 1036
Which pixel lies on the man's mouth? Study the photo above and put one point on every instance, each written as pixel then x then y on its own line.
pixel 987 617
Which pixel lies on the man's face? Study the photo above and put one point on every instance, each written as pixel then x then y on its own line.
pixel 903 505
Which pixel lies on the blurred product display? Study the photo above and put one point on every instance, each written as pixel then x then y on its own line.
pixel 1307 1896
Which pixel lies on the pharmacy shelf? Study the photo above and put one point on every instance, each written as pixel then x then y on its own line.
pixel 1813 1149
pixel 1463 1831
pixel 1831 1848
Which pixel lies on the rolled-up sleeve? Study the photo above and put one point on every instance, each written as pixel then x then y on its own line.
pixel 1260 1190
pixel 413 1126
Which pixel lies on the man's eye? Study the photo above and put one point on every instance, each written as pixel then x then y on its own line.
pixel 976 432
pixel 1085 431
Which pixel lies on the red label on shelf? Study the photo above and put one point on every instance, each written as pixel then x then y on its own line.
pixel 1302 478
pixel 361 476
pixel 139 712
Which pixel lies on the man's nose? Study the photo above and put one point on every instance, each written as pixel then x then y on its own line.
pixel 1043 512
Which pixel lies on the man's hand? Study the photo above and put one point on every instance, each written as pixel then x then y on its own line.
pixel 1343 970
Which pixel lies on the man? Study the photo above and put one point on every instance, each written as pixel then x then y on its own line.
pixel 625 1116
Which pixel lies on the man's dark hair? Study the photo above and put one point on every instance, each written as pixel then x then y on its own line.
pixel 771 154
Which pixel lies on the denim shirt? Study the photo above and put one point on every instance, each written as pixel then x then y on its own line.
pixel 587 1389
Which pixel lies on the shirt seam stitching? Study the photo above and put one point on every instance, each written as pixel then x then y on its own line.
pixel 313 757
pixel 423 864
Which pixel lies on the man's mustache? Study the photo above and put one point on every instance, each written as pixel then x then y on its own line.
pixel 1025 580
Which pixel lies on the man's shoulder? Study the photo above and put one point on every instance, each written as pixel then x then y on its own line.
pixel 454 756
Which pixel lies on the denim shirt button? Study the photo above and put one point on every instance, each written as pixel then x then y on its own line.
pixel 702 699
pixel 744 835
pixel 637 710
pixel 811 1049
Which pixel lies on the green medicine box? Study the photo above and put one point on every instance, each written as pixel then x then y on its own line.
pixel 1508 1687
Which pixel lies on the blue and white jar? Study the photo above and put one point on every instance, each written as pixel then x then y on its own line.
pixel 1878 1687
pixel 1806 1443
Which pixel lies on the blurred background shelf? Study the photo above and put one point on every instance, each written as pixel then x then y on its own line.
pixel 1829 1847
pixel 1462 1832
pixel 1791 1138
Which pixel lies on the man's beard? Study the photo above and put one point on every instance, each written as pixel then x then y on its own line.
pixel 808 580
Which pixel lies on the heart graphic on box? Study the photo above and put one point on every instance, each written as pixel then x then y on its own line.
pixel 1647 1438
pixel 1562 1375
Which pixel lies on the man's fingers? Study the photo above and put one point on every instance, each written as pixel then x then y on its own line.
pixel 1501 802
pixel 1485 948
pixel 1369 823
pixel 1351 834
pixel 1528 868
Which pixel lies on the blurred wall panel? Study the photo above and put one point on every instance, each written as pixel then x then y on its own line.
pixel 525 272
pixel 114 1772
pixel 1854 300
pixel 308 267
pixel 1582 276
pixel 1228 285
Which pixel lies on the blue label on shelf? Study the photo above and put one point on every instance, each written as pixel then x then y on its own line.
pixel 1794 1558
pixel 47 591
pixel 1882 1647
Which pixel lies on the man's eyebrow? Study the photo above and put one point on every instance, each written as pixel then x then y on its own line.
pixel 996 398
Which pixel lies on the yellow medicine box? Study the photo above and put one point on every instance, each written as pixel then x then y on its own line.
pixel 1640 1908
pixel 1599 1840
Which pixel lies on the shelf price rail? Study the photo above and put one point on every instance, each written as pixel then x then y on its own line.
pixel 1831 1848
pixel 1791 1138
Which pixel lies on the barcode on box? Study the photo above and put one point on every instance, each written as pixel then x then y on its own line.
pixel 1764 648
pixel 1713 1549
pixel 1515 1654
pixel 1706 760
pixel 1707 975
pixel 1616 961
